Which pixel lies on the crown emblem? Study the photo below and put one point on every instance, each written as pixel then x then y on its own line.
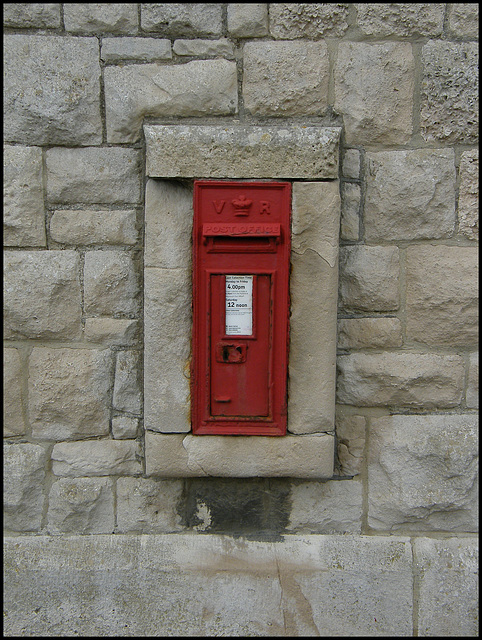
pixel 241 206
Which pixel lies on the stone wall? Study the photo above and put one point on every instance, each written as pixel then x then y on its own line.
pixel 81 82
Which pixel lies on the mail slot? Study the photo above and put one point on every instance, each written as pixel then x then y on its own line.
pixel 241 259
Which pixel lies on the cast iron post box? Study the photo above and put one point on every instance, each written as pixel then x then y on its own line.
pixel 241 262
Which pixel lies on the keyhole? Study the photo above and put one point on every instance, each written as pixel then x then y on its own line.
pixel 225 354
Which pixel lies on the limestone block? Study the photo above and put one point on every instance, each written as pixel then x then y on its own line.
pixel 52 90
pixel 350 437
pixel 127 390
pixel 42 294
pixel 23 200
pixel 350 211
pixel 468 211
pixel 422 473
pixel 307 20
pixel 365 75
pixel 351 164
pixel 111 331
pixel 369 278
pixel 110 283
pixel 88 227
pixel 124 427
pixel 248 20
pixel 31 14
pixel 167 331
pixel 168 225
pixel 326 507
pixel 442 295
pixel 196 88
pixel 300 84
pixel 139 49
pixel 449 102
pixel 96 458
pixel 369 333
pixel 182 19
pixel 414 19
pixel 23 477
pixel 463 19
pixel 448 585
pixel 180 456
pixel 472 393
pixel 100 18
pixel 145 505
pixel 69 392
pixel 204 48
pixel 13 422
pixel 289 151
pixel 81 506
pixel 94 175
pixel 401 379
pixel 410 195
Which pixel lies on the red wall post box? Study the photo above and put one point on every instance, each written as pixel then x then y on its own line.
pixel 241 263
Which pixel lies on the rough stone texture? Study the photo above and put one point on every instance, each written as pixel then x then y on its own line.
pixel 350 436
pixel 23 204
pixel 236 151
pixel 23 476
pixel 408 19
pixel 442 295
pixel 448 586
pixel 87 227
pixel 139 49
pixel 427 381
pixel 351 164
pixel 68 393
pixel 369 278
pixel 52 90
pixel 41 294
pixel 203 48
pixel 300 85
pixel 369 333
pixel 110 283
pixel 313 291
pixel 463 19
pixel 93 175
pixel 148 505
pixel 308 20
pixel 182 19
pixel 124 427
pixel 409 194
pixel 13 421
pixel 111 331
pixel 127 390
pixel 422 473
pixel 468 211
pixel 100 18
pixel 31 14
pixel 326 507
pixel 350 211
pixel 167 331
pixel 96 458
pixel 472 393
pixel 181 456
pixel 81 505
pixel 365 75
pixel 247 20
pixel 449 92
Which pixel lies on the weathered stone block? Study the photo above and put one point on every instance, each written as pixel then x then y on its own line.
pixel 127 390
pixel 196 88
pixel 463 19
pixel 369 333
pixel 96 458
pixel 449 103
pixel 182 19
pixel 42 294
pixel 87 227
pixel 23 200
pixel 204 48
pixel 106 175
pixel 31 14
pixel 426 381
pixel 472 393
pixel 422 473
pixel 81 505
pixel 300 84
pixel 350 211
pixel 350 437
pixel 365 75
pixel 100 18
pixel 140 49
pixel 52 90
pixel 307 20
pixel 468 211
pixel 13 422
pixel 23 477
pixel 111 331
pixel 124 427
pixel 248 20
pixel 351 164
pixel 145 505
pixel 369 278
pixel 414 19
pixel 410 194
pixel 289 151
pixel 69 392
pixel 442 295
pixel 110 283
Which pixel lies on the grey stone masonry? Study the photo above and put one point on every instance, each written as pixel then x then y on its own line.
pixel 204 48
pixel 307 20
pixel 120 18
pixel 127 391
pixel 468 204
pixel 93 227
pixel 351 440
pixel 111 283
pixel 408 19
pixel 96 458
pixel 13 420
pixel 463 19
pixel 247 20
pixel 182 19
pixel 139 49
pixel 369 333
pixel 40 15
